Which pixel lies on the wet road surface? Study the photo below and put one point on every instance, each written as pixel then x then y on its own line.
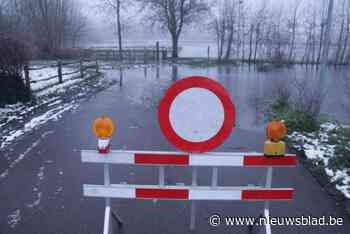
pixel 43 193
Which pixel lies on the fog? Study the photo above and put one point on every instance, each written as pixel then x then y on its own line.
pixel 136 27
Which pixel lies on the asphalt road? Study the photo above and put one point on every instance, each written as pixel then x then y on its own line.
pixel 43 193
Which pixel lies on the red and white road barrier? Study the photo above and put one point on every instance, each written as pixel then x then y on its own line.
pixel 181 159
pixel 188 193
pixel 193 192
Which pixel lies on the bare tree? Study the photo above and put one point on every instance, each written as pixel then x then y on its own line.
pixel 292 25
pixel 77 26
pixel 220 34
pixel 114 8
pixel 230 10
pixel 341 34
pixel 259 21
pixel 321 31
pixel 243 15
pixel 173 15
pixel 310 24
pixel 251 35
pixel 347 34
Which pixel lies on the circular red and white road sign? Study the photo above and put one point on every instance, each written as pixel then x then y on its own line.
pixel 196 114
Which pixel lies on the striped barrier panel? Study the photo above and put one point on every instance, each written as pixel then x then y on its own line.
pixel 181 159
pixel 193 192
pixel 188 193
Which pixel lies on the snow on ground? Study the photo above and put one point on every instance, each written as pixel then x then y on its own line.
pixel 6 113
pixel 37 194
pixel 52 114
pixel 39 77
pixel 318 148
pixel 14 218
pixel 51 102
pixel 60 88
pixel 52 97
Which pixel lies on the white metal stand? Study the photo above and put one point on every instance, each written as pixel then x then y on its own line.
pixel 267 203
pixel 108 225
pixel 266 214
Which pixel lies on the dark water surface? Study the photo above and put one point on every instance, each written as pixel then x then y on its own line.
pixel 251 91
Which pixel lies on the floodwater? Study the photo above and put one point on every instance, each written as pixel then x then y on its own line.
pixel 250 90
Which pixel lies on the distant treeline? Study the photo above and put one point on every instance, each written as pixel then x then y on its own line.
pixel 285 31
pixel 250 30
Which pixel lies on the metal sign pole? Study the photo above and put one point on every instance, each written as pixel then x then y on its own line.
pixel 193 204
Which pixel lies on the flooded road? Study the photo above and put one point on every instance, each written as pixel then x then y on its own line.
pixel 43 194
pixel 250 90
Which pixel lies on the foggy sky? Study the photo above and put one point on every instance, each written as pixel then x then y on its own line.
pixel 100 25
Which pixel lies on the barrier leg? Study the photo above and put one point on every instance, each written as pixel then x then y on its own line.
pixel 214 178
pixel 193 203
pixel 117 219
pixel 267 203
pixel 161 176
pixel 106 223
pixel 108 228
pixel 266 212
pixel 161 179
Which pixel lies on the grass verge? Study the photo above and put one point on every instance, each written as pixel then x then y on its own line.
pixel 324 147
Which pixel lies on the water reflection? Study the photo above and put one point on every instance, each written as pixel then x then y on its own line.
pixel 174 72
pixel 120 77
pixel 251 91
pixel 157 72
pixel 145 72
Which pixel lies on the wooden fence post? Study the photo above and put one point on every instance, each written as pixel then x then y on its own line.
pixel 157 50
pixel 59 71
pixel 164 53
pixel 26 76
pixel 97 67
pixel 81 68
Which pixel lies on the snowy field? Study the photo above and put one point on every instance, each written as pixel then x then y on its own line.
pixel 322 148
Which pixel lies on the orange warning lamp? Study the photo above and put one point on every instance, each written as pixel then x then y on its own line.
pixel 103 127
pixel 275 132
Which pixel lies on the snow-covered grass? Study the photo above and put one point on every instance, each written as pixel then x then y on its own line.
pixel 39 77
pixel 328 148
pixel 59 88
pixel 51 100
